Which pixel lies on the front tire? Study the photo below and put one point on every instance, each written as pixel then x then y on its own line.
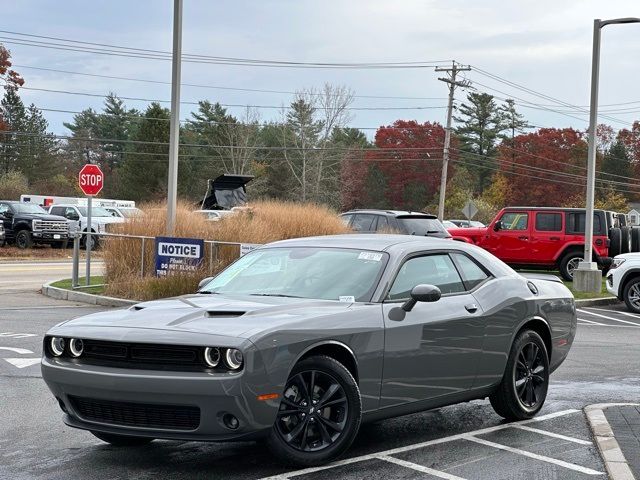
pixel 24 239
pixel 523 389
pixel 319 415
pixel 122 440
pixel 631 295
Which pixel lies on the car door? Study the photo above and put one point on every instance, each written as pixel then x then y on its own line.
pixel 434 349
pixel 547 236
pixel 510 242
pixel 6 221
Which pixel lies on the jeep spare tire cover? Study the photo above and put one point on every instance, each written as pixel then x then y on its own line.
pixel 615 242
pixel 625 235
pixel 635 239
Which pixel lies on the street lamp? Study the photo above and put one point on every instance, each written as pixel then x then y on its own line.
pixel 587 277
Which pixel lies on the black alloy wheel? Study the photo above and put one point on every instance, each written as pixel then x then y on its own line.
pixel 529 376
pixel 523 389
pixel 319 414
pixel 313 412
pixel 24 239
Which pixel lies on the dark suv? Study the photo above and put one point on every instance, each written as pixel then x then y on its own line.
pixel 28 223
pixel 394 221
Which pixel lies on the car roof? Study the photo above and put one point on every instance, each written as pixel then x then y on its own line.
pixel 364 241
pixel 395 213
pixel 556 209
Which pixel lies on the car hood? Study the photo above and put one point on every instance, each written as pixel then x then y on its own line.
pixel 467 232
pixel 46 217
pixel 221 315
pixel 107 219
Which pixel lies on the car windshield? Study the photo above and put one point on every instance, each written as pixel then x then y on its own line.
pixel 95 212
pixel 29 208
pixel 131 212
pixel 303 272
pixel 421 225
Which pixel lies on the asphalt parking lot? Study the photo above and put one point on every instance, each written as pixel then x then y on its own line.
pixel 466 441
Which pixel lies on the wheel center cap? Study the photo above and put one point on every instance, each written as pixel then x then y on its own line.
pixel 311 410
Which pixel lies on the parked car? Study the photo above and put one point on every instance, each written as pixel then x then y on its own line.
pixel 124 212
pixel 214 215
pixel 447 224
pixel 2 237
pixel 623 280
pixel 543 238
pixel 100 219
pixel 302 340
pixel 26 224
pixel 467 223
pixel 394 221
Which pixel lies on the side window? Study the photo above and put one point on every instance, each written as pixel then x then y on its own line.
pixel 3 208
pixel 383 224
pixel 71 213
pixel 362 222
pixel 515 221
pixel 57 211
pixel 472 274
pixel 346 219
pixel 435 270
pixel 576 223
pixel 548 222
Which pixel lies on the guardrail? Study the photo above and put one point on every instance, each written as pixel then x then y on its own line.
pixel 212 249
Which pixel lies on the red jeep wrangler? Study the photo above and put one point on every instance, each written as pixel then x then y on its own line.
pixel 544 238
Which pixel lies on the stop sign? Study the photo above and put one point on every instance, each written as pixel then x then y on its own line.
pixel 91 179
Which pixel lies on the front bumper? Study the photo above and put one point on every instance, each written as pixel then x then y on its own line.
pixel 611 288
pixel 214 394
pixel 49 237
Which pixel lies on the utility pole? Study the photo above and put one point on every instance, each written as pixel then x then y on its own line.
pixel 451 81
pixel 174 134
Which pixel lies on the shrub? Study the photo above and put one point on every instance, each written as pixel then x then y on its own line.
pixel 265 222
pixel 12 185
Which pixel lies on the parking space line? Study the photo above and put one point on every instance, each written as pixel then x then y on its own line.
pixel 626 314
pixel 591 322
pixel 415 446
pixel 420 468
pixel 609 318
pixel 561 463
pixel 554 435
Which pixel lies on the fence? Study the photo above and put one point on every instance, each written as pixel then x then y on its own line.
pixel 215 254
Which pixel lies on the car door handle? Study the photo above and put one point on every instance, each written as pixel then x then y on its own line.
pixel 471 308
pixel 523 238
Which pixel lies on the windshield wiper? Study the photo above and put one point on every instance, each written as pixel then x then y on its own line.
pixel 273 295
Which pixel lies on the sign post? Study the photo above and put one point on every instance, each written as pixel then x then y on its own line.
pixel 91 181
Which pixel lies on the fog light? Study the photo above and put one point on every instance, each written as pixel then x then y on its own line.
pixel 76 346
pixel 230 421
pixel 212 356
pixel 57 346
pixel 233 358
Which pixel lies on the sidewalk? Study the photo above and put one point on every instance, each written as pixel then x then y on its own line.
pixel 625 423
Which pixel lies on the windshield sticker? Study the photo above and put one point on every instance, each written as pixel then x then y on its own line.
pixel 376 257
pixel 347 298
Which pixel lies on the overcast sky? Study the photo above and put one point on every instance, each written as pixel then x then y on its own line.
pixel 544 45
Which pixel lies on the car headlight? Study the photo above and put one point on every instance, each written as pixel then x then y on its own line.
pixel 76 347
pixel 57 346
pixel 616 263
pixel 233 358
pixel 212 356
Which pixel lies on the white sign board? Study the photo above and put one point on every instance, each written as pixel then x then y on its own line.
pixel 469 210
pixel 247 247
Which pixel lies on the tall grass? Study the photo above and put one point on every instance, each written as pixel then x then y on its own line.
pixel 265 222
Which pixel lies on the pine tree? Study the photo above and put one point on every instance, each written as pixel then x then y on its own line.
pixel 12 139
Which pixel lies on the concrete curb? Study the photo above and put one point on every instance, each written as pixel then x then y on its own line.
pixel 594 302
pixel 82 297
pixel 614 461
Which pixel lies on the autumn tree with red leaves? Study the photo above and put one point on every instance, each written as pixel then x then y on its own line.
pixel 11 78
pixel 540 167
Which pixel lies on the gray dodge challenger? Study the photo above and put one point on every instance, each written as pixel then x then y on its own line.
pixel 300 341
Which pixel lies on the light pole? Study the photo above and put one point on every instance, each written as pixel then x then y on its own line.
pixel 587 277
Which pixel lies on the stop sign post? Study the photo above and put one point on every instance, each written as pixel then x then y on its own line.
pixel 91 181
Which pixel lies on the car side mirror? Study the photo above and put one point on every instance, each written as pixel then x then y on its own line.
pixel 8 214
pixel 422 293
pixel 73 216
pixel 203 282
pixel 497 226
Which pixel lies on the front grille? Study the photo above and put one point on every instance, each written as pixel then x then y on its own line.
pixel 51 226
pixel 170 417
pixel 141 355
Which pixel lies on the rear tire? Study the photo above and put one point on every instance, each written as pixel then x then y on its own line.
pixel 635 239
pixel 569 263
pixel 122 440
pixel 625 236
pixel 631 295
pixel 523 389
pixel 24 239
pixel 615 242
pixel 306 432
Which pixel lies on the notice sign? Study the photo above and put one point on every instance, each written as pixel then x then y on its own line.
pixel 178 255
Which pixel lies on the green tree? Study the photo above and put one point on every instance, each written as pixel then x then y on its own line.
pixel 14 117
pixel 481 122
pixel 616 164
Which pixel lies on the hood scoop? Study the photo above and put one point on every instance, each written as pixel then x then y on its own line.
pixel 137 307
pixel 224 313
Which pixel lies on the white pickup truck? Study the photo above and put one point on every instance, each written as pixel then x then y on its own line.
pixel 100 219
